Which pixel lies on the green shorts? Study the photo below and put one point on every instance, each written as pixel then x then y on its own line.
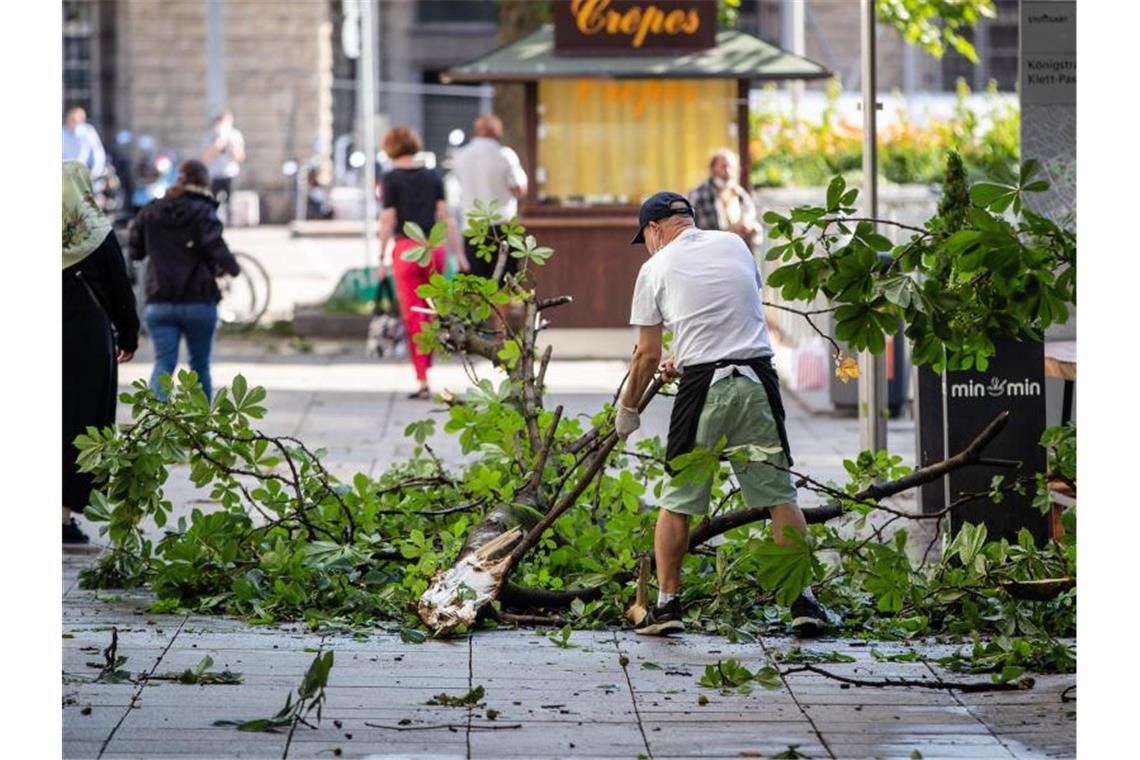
pixel 737 408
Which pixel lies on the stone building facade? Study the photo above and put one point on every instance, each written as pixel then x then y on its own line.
pixel 153 76
pixel 143 66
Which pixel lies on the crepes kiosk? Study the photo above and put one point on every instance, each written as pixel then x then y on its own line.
pixel 622 99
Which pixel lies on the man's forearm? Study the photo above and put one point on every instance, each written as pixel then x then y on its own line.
pixel 641 370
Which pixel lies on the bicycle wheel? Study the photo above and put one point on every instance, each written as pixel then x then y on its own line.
pixel 245 298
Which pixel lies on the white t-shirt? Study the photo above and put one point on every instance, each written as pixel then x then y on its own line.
pixel 223 165
pixel 487 170
pixel 706 288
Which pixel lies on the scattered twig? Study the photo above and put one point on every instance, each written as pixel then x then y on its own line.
pixel 807 317
pixel 450 726
pixel 963 686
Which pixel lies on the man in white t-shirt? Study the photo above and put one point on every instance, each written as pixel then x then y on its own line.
pixel 488 171
pixel 704 286
pixel 223 151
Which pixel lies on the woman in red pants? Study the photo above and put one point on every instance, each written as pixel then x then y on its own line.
pixel 413 193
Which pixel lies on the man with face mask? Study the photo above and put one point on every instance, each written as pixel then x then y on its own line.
pixel 704 286
pixel 720 203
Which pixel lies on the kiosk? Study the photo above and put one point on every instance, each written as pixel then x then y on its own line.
pixel 623 99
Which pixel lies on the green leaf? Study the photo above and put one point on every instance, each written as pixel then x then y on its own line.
pixel 992 196
pixel 415 232
pixel 438 234
pixel 834 192
pixel 787 570
pixel 413 636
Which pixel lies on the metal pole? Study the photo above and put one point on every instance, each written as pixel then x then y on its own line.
pixel 792 38
pixel 215 57
pixel 873 369
pixel 366 84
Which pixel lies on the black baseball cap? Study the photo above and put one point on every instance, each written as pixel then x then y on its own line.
pixel 659 206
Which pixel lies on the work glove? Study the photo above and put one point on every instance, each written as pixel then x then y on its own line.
pixel 626 421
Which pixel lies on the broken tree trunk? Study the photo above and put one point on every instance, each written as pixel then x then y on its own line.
pixel 450 601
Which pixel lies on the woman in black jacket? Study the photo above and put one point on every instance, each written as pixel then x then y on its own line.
pixel 96 295
pixel 182 236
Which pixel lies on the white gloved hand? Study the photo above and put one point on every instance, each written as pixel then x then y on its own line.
pixel 626 421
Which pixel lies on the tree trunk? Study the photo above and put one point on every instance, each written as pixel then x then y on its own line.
pixel 517 18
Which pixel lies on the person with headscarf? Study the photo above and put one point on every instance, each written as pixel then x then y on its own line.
pixel 182 236
pixel 100 329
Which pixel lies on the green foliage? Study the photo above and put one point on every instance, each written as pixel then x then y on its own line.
pixel 310 698
pixel 562 638
pixel 970 275
pixel 729 675
pixel 425 244
pixel 932 25
pixel 1008 658
pixel 935 24
pixel 111 670
pixel 201 675
pixel 789 150
pixel 800 656
pixel 470 699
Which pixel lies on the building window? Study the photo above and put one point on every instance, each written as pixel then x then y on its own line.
pixel 80 64
pixel 452 11
pixel 995 41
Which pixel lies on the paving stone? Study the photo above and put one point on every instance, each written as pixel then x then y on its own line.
pixel 544 739
pixel 856 751
pixel 697 740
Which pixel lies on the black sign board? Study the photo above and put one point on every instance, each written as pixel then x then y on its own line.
pixel 1014 382
pixel 624 27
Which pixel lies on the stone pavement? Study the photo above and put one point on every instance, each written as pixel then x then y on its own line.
pixel 612 694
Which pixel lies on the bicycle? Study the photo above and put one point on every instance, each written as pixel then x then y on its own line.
pixel 245 298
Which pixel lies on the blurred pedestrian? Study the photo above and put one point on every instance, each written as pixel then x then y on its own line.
pixel 81 143
pixel 489 171
pixel 182 235
pixel 223 151
pixel 721 203
pixel 96 298
pixel 413 193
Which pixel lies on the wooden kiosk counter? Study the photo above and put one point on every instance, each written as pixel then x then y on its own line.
pixel 623 99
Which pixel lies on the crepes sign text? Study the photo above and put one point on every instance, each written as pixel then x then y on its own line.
pixel 609 27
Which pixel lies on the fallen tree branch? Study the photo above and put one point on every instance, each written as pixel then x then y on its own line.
pixel 970 455
pixel 608 444
pixel 531 488
pixel 548 303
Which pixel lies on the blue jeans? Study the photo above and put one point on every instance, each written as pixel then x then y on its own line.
pixel 167 323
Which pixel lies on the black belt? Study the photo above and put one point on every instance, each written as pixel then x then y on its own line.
pixel 693 390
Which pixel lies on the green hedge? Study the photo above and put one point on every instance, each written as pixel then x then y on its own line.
pixel 795 152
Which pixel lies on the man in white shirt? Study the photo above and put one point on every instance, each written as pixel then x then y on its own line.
pixel 704 286
pixel 223 151
pixel 81 143
pixel 488 171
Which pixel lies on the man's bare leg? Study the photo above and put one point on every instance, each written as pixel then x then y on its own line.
pixel 809 617
pixel 784 515
pixel 670 542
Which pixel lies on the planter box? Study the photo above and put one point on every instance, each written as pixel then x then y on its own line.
pixel 315 323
